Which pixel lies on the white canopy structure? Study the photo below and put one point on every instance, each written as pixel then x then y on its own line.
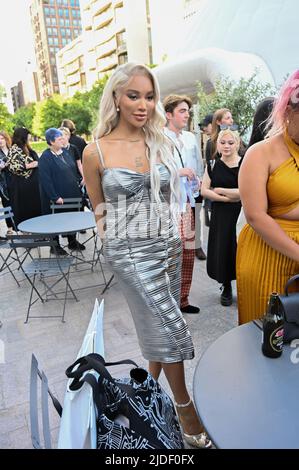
pixel 205 66
pixel 230 38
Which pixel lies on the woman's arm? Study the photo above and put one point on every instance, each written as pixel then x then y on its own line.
pixel 253 177
pixel 31 165
pixel 209 193
pixel 232 193
pixel 80 169
pixel 92 177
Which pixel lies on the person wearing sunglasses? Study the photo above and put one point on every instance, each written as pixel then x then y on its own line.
pixel 268 246
pixel 220 185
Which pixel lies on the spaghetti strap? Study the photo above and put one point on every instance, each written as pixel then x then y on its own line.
pixel 100 154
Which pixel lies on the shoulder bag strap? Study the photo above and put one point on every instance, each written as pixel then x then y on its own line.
pixel 289 282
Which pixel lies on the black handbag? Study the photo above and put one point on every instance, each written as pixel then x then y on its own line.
pixel 290 305
pixel 151 421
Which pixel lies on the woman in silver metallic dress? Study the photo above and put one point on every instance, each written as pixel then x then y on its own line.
pixel 132 182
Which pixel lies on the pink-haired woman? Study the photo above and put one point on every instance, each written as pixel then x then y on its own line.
pixel 268 246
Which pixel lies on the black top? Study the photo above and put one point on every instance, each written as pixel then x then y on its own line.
pixel 3 176
pixel 79 143
pixel 57 179
pixel 222 243
pixel 71 153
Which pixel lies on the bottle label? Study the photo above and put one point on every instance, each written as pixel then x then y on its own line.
pixel 276 339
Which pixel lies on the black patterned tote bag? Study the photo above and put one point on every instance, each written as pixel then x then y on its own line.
pixel 132 412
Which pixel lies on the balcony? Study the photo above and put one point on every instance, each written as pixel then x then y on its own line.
pixel 107 63
pixel 73 79
pixel 107 48
pixel 100 6
pixel 72 67
pixel 103 34
pixel 103 19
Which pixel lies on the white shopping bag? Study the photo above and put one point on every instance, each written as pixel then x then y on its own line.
pixel 78 421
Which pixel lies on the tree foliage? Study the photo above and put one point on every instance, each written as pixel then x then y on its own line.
pixel 93 100
pixel 2 93
pixel 51 113
pixel 5 119
pixel 240 97
pixel 76 110
pixel 23 117
pixel 82 108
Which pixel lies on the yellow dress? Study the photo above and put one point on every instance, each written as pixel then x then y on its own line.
pixel 261 269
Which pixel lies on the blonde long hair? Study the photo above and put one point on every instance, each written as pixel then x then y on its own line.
pixel 154 136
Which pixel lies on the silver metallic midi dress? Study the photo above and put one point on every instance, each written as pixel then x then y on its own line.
pixel 146 261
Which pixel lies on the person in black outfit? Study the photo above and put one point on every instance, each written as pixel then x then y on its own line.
pixel 73 152
pixel 57 180
pixel 22 164
pixel 259 126
pixel 5 143
pixel 220 185
pixel 75 139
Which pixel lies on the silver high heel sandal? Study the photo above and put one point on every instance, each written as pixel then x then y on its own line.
pixel 201 440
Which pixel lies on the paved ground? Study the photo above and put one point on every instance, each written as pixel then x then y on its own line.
pixel 56 344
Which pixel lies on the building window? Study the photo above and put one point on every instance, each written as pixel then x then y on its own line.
pixel 123 59
pixel 53 20
pixel 62 31
pixel 67 22
pixel 49 31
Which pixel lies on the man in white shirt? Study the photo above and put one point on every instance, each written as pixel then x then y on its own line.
pixel 190 164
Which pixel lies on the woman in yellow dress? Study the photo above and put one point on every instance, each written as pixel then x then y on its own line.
pixel 268 246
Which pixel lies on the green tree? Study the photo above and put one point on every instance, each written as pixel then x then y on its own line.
pixel 24 116
pixel 37 120
pixel 93 98
pixel 2 93
pixel 241 97
pixel 51 112
pixel 76 110
pixel 6 123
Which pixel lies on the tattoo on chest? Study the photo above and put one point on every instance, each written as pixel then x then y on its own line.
pixel 139 162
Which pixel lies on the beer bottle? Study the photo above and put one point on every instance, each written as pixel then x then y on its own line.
pixel 272 341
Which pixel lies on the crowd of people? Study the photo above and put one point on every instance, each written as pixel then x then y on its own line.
pixel 29 184
pixel 146 175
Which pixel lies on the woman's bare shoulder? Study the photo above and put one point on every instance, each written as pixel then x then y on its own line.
pixel 90 151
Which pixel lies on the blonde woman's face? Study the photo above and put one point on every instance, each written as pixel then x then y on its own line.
pixel 137 102
pixel 65 138
pixel 227 146
pixel 227 119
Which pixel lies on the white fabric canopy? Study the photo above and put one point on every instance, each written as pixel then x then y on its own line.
pixel 205 66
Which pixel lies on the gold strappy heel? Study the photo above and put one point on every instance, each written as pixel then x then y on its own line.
pixel 201 440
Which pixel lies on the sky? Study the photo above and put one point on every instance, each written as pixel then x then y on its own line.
pixel 16 41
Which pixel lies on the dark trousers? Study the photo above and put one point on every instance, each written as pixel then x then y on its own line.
pixel 6 203
pixel 71 239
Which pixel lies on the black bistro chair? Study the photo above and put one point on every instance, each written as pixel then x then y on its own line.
pixel 42 269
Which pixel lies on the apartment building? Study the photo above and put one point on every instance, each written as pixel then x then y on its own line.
pixel 26 91
pixel 113 32
pixel 55 23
